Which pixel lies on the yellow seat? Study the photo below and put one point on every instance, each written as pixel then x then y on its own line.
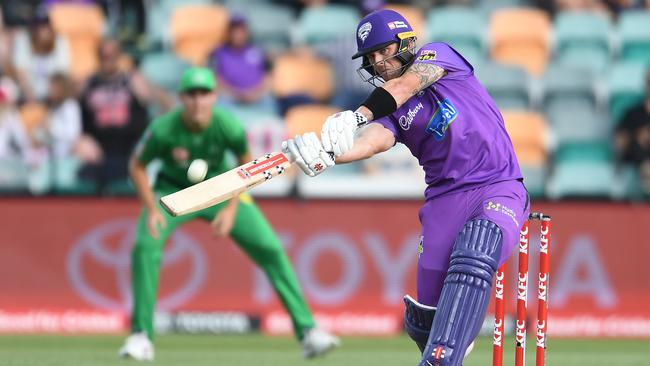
pixel 33 115
pixel 197 29
pixel 82 25
pixel 414 16
pixel 521 36
pixel 302 73
pixel 528 132
pixel 308 118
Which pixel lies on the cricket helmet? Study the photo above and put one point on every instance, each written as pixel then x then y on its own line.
pixel 378 30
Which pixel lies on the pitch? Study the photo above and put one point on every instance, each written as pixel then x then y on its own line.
pixel 246 350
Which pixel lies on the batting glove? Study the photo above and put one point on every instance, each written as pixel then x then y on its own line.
pixel 308 153
pixel 338 131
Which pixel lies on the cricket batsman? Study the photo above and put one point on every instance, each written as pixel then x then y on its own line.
pixel 199 130
pixel 431 101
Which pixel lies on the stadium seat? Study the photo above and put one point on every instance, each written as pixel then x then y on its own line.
pixel 269 24
pixel 413 15
pixel 582 39
pixel 302 74
pixel 33 115
pixel 158 16
pixel 507 84
pixel 196 30
pixel 83 26
pixel 634 30
pixel 599 151
pixel 122 187
pixel 582 179
pixel 569 84
pixel 308 118
pixel 462 27
pixel 521 36
pixel 626 87
pixel 535 178
pixel 252 115
pixel 531 139
pixel 529 134
pixel 326 23
pixel 570 105
pixel 579 125
pixel 583 170
pixel 163 70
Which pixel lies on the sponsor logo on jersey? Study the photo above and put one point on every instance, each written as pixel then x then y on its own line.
pixel 406 120
pixel 442 118
pixel 181 155
pixel 498 207
pixel 364 31
pixel 427 55
pixel 397 24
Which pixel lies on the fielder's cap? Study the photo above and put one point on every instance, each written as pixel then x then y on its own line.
pixel 379 29
pixel 197 78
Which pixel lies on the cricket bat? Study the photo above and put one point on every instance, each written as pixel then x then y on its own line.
pixel 226 185
pixel 231 183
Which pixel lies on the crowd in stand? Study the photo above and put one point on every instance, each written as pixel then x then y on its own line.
pixel 63 125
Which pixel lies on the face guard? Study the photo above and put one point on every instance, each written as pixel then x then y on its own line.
pixel 405 55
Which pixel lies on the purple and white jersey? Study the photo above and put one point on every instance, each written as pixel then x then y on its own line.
pixel 454 128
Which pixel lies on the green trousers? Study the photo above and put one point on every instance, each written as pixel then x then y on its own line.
pixel 250 231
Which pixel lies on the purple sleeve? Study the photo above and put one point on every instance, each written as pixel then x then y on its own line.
pixel 443 55
pixel 390 125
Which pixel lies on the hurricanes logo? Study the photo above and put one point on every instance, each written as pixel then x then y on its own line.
pixel 364 31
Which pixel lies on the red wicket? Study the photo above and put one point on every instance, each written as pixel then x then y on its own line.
pixel 522 297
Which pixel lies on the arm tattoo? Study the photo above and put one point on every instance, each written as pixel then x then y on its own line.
pixel 427 74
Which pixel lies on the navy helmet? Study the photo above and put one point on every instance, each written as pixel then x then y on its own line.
pixel 378 30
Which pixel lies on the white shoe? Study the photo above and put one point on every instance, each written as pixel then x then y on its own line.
pixel 469 350
pixel 317 342
pixel 138 347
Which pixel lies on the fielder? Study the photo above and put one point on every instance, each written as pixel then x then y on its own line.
pixel 198 130
pixel 430 100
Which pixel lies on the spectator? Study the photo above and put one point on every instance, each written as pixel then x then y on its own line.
pixel 242 69
pixel 16 148
pixel 633 138
pixel 114 115
pixel 64 119
pixel 39 53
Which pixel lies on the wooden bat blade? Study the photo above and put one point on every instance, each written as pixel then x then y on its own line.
pixel 226 185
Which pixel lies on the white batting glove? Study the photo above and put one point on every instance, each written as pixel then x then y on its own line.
pixel 338 131
pixel 308 153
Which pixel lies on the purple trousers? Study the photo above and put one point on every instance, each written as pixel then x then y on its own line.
pixel 442 218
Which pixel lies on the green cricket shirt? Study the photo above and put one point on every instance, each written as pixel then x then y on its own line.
pixel 167 138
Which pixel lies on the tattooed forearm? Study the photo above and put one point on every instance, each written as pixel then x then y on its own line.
pixel 427 74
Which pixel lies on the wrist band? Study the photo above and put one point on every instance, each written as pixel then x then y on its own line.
pixel 381 103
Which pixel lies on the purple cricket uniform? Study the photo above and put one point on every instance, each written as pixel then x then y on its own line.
pixel 458 135
pixel 243 69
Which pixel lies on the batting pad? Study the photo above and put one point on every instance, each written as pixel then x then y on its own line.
pixel 465 294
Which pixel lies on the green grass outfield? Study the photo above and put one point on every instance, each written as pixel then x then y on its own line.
pixel 257 350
